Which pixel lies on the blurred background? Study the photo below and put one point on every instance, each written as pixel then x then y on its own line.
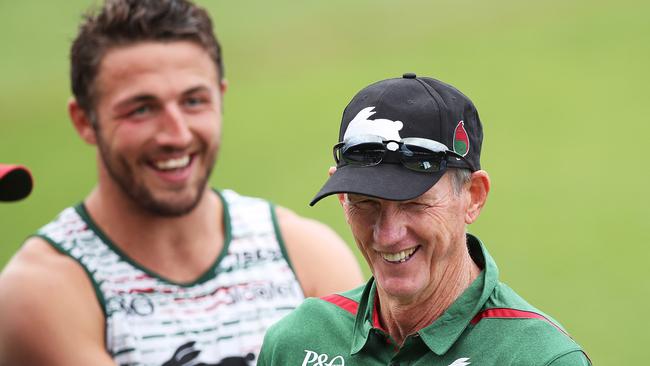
pixel 561 87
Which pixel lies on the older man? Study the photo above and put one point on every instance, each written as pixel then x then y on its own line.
pixel 408 177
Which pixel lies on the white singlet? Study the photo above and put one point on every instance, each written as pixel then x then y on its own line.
pixel 219 319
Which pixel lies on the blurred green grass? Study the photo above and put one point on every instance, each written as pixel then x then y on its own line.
pixel 561 86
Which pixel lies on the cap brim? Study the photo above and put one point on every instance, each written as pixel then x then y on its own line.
pixel 15 182
pixel 386 180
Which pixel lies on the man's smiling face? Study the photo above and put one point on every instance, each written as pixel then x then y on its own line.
pixel 159 123
pixel 410 244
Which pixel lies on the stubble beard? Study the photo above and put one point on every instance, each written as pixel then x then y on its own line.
pixel 139 194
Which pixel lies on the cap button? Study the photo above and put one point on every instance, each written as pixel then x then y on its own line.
pixel 409 75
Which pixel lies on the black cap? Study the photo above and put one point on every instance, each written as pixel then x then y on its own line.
pixel 15 182
pixel 394 109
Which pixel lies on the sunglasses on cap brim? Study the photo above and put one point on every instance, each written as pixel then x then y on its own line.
pixel 414 153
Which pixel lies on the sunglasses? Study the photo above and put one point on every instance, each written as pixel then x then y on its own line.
pixel 414 153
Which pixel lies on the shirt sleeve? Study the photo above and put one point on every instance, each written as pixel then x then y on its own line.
pixel 266 353
pixel 574 358
pixel 262 358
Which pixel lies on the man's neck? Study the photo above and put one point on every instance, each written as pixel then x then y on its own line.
pixel 403 318
pixel 179 248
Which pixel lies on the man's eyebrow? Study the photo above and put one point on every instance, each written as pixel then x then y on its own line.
pixel 196 89
pixel 140 98
pixel 135 99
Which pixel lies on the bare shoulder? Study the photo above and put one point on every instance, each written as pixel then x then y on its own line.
pixel 37 272
pixel 323 262
pixel 48 309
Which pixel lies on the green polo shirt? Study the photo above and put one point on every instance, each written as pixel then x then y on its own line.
pixel 489 324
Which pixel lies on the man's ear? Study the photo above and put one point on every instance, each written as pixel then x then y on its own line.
pixel 479 187
pixel 81 122
pixel 340 196
pixel 223 86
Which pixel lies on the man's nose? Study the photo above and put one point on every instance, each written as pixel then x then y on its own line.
pixel 390 226
pixel 174 129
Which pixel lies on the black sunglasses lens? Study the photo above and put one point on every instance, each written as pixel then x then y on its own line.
pixel 422 159
pixel 365 154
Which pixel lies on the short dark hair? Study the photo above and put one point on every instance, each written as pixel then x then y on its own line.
pixel 125 22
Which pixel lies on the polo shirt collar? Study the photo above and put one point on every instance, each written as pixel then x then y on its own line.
pixel 440 335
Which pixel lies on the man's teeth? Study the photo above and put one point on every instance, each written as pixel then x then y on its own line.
pixel 181 162
pixel 399 256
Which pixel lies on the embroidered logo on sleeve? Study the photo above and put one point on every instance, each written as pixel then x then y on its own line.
pixel 461 362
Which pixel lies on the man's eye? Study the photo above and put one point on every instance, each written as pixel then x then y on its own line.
pixel 415 205
pixel 143 109
pixel 193 102
pixel 365 204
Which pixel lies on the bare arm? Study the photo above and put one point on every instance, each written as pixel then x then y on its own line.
pixel 323 262
pixel 48 311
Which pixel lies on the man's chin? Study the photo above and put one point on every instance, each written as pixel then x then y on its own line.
pixel 165 209
pixel 399 288
pixel 171 204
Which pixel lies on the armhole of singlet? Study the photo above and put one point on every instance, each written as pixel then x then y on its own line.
pixel 98 292
pixel 278 236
